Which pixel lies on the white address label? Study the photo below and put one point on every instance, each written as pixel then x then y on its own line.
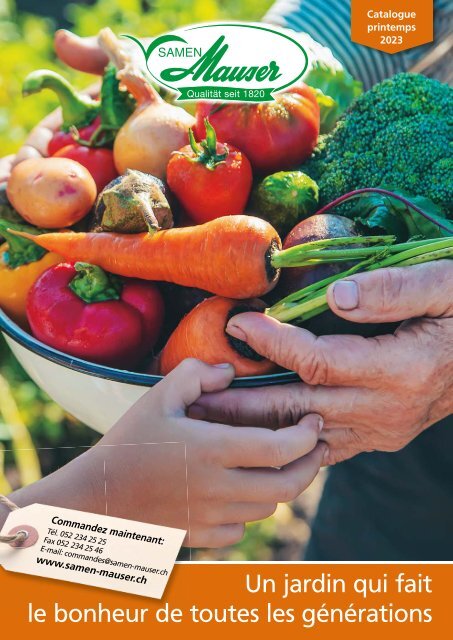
pixel 97 550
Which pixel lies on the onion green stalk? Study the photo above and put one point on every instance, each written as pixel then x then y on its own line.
pixel 312 253
pixel 339 249
pixel 312 300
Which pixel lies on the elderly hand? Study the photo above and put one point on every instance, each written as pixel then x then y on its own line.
pixel 374 394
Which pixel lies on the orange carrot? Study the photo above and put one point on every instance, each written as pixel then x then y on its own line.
pixel 229 256
pixel 201 334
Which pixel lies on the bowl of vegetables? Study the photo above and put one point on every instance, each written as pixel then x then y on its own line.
pixel 97 395
pixel 147 228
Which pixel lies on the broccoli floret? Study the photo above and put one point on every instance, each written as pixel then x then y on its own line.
pixel 399 135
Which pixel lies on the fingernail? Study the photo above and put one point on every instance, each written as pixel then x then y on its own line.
pixel 346 295
pixel 222 365
pixel 236 332
pixel 320 423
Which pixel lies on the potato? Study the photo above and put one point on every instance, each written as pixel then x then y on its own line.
pixel 51 192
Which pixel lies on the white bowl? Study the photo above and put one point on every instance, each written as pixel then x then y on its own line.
pixel 98 396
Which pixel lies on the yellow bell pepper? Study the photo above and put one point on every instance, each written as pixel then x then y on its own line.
pixel 20 267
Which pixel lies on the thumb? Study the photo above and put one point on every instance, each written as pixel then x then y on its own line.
pixel 184 385
pixel 83 54
pixel 396 294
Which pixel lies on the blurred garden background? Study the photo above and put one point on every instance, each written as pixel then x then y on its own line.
pixel 33 429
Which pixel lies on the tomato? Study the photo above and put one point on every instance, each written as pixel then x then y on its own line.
pixel 275 136
pixel 210 179
pixel 99 162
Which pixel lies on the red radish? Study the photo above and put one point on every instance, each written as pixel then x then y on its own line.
pixel 62 139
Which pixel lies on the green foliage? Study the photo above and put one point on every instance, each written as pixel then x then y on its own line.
pixel 335 89
pixel 26 43
pixel 383 214
pixel 399 133
pixel 116 107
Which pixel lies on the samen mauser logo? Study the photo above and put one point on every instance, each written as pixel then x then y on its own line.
pixel 228 62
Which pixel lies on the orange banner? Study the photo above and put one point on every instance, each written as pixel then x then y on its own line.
pixel 349 601
pixel 392 25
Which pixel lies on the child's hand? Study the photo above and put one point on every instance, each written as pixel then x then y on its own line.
pixel 230 479
pixel 157 465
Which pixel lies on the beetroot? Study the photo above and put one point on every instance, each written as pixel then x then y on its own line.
pixel 322 227
pixel 314 228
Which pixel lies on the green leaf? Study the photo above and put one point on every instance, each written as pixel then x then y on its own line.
pixel 383 214
pixel 329 111
pixel 116 105
pixel 374 213
pixel 336 83
pixel 7 212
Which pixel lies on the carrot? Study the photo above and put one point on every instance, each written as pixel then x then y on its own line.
pixel 229 256
pixel 201 334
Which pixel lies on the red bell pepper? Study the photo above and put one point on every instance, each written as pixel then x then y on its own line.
pixel 92 123
pixel 78 110
pixel 83 311
pixel 98 161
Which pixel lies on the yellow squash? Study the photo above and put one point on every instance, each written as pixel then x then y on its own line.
pixel 16 279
